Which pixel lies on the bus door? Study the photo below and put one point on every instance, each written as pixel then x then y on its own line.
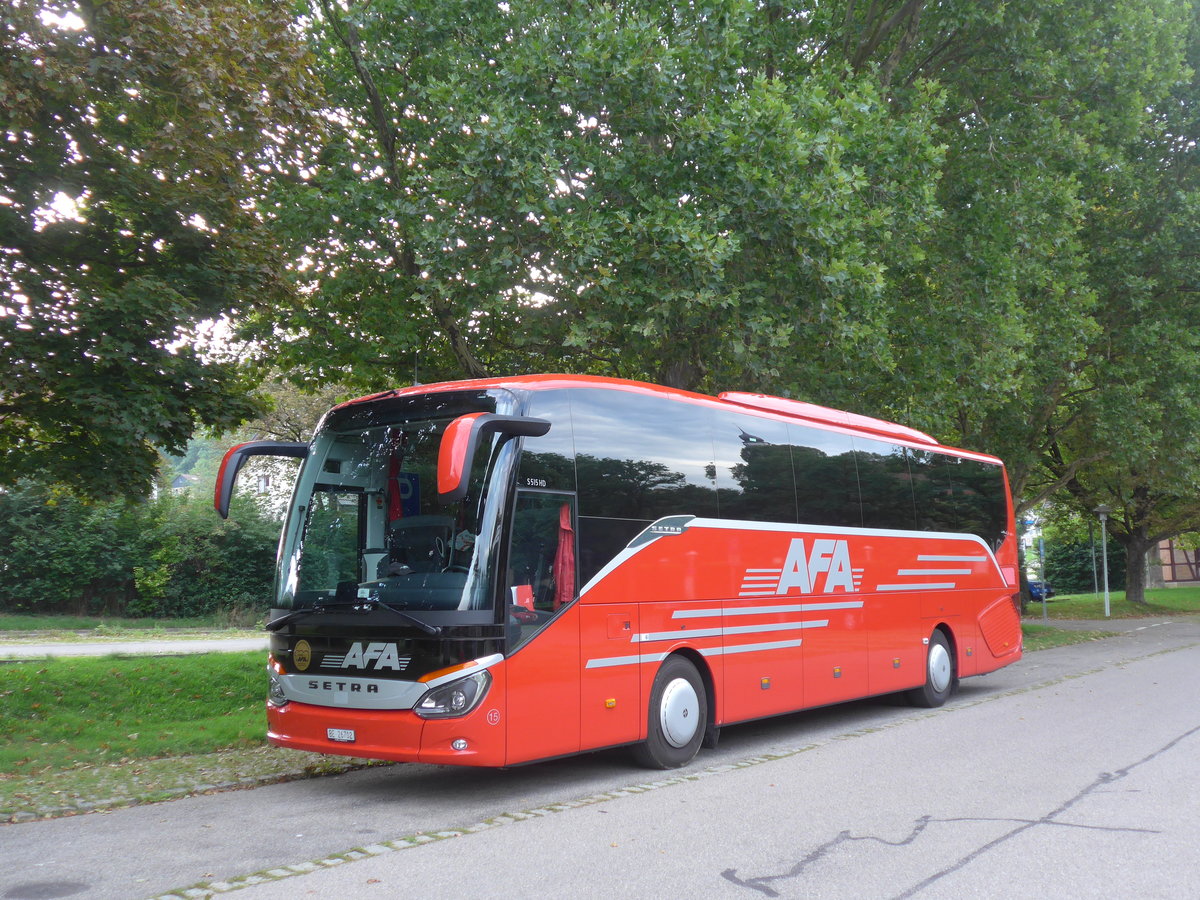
pixel 543 628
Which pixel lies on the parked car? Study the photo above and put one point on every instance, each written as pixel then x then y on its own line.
pixel 1039 590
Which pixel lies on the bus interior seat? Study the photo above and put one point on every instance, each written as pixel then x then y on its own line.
pixel 420 541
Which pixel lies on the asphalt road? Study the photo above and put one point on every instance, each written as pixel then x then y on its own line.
pixel 1070 774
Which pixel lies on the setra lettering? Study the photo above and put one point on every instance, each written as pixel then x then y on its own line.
pixel 350 687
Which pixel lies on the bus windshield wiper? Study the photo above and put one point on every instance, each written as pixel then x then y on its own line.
pixel 408 617
pixel 353 606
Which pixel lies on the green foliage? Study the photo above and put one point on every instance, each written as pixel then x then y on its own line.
pixel 1069 559
pixel 59 713
pixel 976 218
pixel 621 188
pixel 171 556
pixel 131 132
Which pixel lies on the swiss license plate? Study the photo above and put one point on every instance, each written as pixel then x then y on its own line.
pixel 345 735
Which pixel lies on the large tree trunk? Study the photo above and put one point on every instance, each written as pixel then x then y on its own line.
pixel 1137 545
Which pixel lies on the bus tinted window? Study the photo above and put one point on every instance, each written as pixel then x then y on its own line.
pixel 885 485
pixel 979 499
pixel 754 469
pixel 639 457
pixel 549 461
pixel 826 477
pixel 933 490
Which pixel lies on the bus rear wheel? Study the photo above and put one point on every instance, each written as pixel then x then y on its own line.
pixel 940 677
pixel 678 715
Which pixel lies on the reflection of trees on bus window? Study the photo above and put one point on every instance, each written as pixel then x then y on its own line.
pixel 630 488
pixel 933 490
pixel 541 561
pixel 330 540
pixel 885 485
pixel 754 469
pixel 656 450
pixel 827 483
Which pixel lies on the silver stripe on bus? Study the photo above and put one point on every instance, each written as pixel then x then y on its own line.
pixel 748 648
pixel 610 661
pixel 782 528
pixel 757 610
pixel 916 586
pixel 834 530
pixel 907 572
pixel 723 632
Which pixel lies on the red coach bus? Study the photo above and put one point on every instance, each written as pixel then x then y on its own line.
pixel 499 571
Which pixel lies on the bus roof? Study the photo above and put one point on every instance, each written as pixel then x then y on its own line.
pixel 809 413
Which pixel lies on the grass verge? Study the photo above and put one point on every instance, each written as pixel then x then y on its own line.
pixel 22 628
pixel 1043 637
pixel 84 734
pixel 108 709
pixel 1159 602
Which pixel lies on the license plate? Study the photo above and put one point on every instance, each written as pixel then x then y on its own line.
pixel 345 735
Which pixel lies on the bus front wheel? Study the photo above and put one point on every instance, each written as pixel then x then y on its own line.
pixel 678 715
pixel 940 677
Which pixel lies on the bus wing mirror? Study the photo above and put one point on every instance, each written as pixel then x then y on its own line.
pixel 236 457
pixel 463 436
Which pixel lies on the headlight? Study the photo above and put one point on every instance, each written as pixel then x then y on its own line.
pixel 275 694
pixel 456 698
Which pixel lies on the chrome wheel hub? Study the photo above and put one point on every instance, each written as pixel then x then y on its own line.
pixel 940 668
pixel 679 712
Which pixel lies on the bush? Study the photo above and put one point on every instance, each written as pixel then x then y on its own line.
pixel 168 557
pixel 1069 564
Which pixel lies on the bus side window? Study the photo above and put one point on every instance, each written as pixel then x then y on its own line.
pixel 753 469
pixel 885 485
pixel 541 561
pixel 827 486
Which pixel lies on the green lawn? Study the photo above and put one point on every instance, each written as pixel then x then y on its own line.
pixel 1159 602
pixel 60 713
pixel 1043 637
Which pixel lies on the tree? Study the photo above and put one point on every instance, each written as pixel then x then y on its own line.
pixel 133 130
pixel 1073 555
pixel 1131 441
pixel 1048 105
pixel 650 190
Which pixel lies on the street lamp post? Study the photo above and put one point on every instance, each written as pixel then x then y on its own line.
pixel 1102 511
pixel 1092 544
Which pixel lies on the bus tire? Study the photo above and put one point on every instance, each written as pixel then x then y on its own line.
pixel 678 716
pixel 940 676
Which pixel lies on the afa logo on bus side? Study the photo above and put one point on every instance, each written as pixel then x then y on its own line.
pixel 802 567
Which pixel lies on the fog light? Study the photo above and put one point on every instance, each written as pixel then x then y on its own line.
pixel 459 744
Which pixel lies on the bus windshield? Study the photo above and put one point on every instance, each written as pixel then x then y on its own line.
pixel 366 528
